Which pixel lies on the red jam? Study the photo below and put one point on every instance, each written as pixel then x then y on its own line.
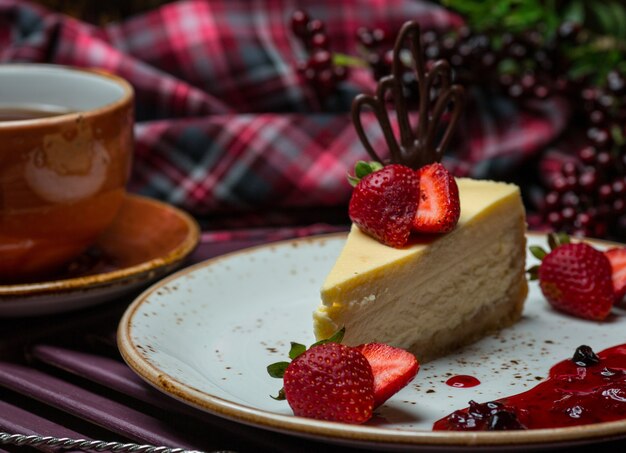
pixel 586 389
pixel 462 381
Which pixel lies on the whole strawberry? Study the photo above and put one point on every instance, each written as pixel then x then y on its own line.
pixel 328 381
pixel 384 201
pixel 331 382
pixel 575 278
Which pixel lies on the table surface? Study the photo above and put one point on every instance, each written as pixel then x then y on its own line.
pixel 62 376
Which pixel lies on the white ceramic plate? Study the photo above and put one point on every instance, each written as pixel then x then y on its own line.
pixel 206 334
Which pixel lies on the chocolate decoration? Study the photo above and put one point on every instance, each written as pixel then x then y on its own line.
pixel 415 148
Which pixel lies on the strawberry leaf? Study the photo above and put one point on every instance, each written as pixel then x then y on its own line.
pixel 362 169
pixel 353 180
pixel 280 396
pixel 557 239
pixel 337 337
pixel 277 370
pixel 562 238
pixel 296 350
pixel 538 252
pixel 552 241
pixel 533 273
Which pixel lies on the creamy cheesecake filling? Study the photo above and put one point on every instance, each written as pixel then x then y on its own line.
pixel 417 298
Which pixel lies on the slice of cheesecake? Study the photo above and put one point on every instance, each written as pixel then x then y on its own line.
pixel 441 291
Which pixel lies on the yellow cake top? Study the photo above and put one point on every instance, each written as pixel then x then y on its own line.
pixel 363 254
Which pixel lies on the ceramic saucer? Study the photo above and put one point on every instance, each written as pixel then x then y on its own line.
pixel 147 240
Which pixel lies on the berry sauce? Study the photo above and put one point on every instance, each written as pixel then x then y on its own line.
pixel 462 381
pixel 587 388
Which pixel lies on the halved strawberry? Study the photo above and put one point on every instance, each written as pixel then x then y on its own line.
pixel 617 258
pixel 393 369
pixel 384 202
pixel 439 208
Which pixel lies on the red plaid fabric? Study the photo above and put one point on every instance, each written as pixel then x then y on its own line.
pixel 224 123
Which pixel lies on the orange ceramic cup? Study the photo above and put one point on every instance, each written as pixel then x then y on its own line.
pixel 63 170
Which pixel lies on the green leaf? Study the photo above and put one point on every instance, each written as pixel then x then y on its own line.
pixel 582 66
pixel 508 66
pixel 619 19
pixel 296 350
pixel 337 337
pixel 562 238
pixel 533 273
pixel 342 59
pixel 618 135
pixel 277 370
pixel 538 252
pixel 362 169
pixel 353 180
pixel 552 241
pixel 280 396
pixel 606 21
pixel 557 239
pixel 575 12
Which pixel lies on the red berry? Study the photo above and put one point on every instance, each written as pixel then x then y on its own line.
pixel 552 200
pixel 319 41
pixel 378 34
pixel 331 382
pixel 587 155
pixel 341 73
pixel 321 59
pixel 326 79
pixel 439 208
pixel 559 184
pixel 576 279
pixel 605 192
pixel 384 204
pixel 365 37
pixel 619 206
pixel 299 22
pixel 569 169
pixel 588 180
pixel 568 213
pixel 618 188
pixel 555 219
pixel 584 220
pixel 604 160
pixel 393 369
pixel 315 26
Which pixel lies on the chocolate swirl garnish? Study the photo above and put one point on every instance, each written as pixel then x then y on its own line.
pixel 415 148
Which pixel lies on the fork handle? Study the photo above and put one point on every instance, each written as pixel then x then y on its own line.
pixel 88 445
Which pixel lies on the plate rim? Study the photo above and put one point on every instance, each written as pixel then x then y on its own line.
pixel 333 431
pixel 13 292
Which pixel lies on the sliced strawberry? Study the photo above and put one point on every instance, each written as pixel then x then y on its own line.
pixel 439 208
pixel 393 369
pixel 617 258
pixel 384 202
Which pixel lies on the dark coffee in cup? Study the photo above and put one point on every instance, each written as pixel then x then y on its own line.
pixel 29 112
